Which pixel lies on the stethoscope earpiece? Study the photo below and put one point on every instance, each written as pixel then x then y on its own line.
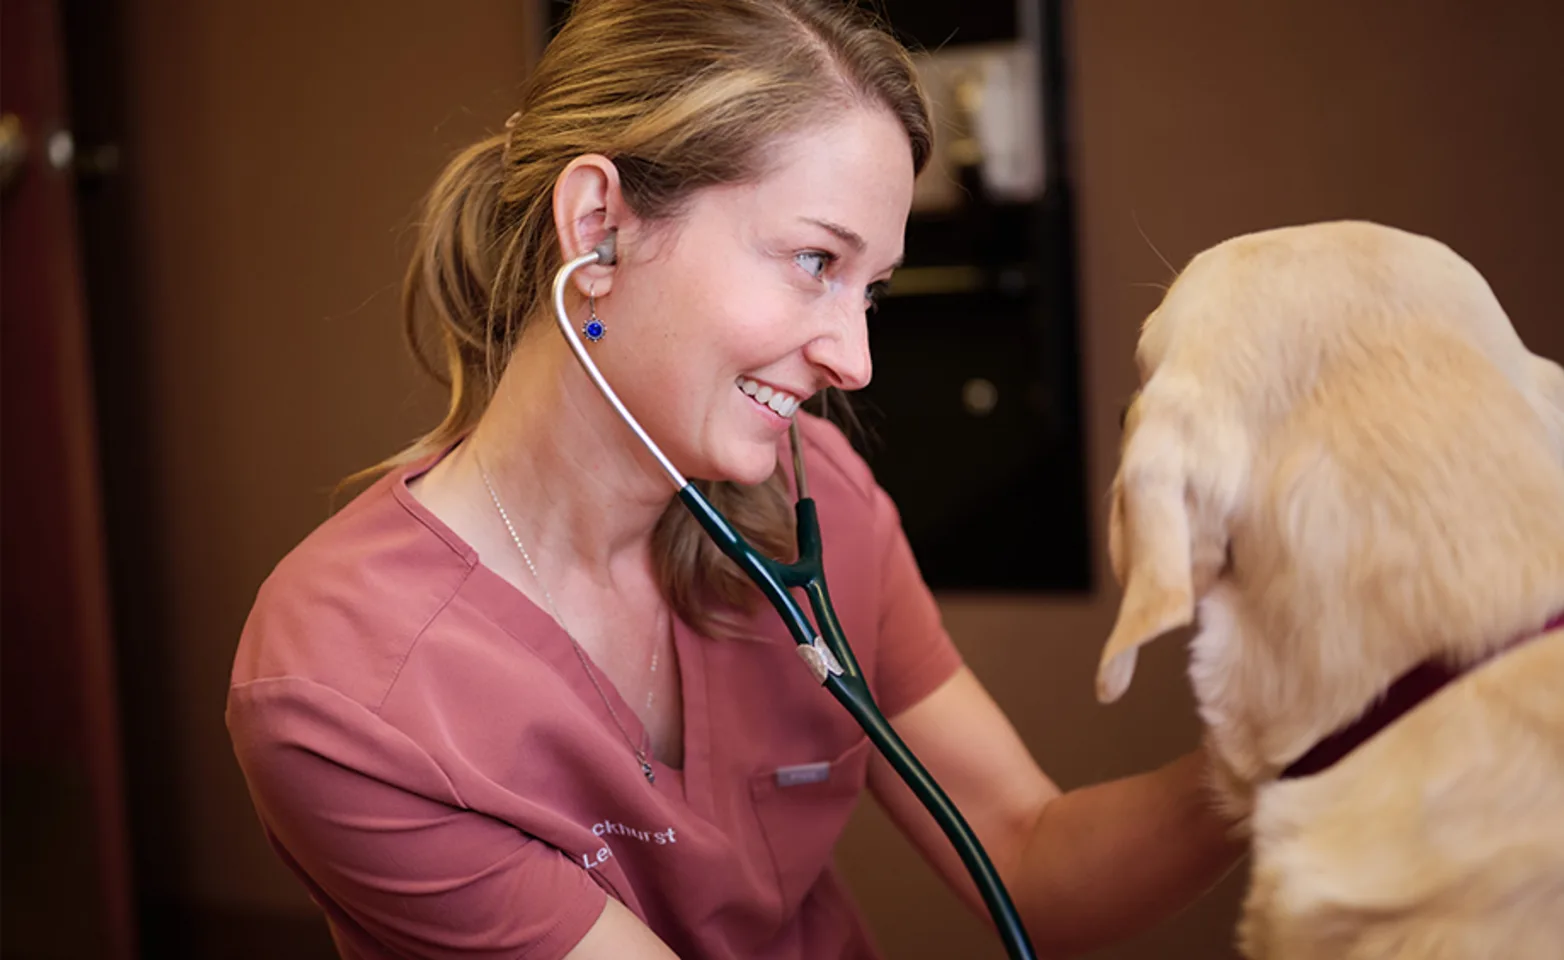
pixel 606 254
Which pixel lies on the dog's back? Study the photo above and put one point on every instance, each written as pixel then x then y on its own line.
pixel 1442 838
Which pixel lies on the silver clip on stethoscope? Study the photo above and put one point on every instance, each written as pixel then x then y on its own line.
pixel 827 654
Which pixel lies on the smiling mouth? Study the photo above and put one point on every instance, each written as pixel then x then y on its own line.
pixel 782 404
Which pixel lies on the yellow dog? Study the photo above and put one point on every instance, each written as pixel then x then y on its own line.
pixel 1345 459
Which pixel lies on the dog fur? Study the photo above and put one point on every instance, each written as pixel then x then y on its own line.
pixel 1343 456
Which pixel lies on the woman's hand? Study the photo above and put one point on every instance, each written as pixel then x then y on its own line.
pixel 1066 858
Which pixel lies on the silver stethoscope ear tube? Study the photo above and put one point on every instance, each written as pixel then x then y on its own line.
pixel 604 253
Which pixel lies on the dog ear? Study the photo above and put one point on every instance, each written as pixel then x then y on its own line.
pixel 1167 530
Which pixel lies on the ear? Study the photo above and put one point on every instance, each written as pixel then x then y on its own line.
pixel 588 203
pixel 1149 530
pixel 1178 479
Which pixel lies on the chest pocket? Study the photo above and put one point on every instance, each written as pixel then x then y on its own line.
pixel 802 811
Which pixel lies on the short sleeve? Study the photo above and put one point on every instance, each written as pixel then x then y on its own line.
pixel 380 834
pixel 915 653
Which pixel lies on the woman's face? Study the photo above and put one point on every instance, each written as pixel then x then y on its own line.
pixel 722 321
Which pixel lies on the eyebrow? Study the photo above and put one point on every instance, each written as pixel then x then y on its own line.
pixel 847 236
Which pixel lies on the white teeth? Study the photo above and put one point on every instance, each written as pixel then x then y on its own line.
pixel 782 404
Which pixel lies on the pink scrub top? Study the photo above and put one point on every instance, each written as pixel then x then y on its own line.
pixel 426 752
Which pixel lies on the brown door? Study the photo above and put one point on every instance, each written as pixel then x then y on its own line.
pixel 66 887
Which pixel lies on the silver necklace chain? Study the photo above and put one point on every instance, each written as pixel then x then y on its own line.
pixel 640 754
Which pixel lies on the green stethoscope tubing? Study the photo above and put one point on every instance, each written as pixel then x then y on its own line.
pixel 826 652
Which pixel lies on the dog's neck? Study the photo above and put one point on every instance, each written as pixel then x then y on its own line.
pixel 1408 690
pixel 1431 530
pixel 1276 671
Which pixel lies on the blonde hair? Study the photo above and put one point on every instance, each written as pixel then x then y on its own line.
pixel 680 95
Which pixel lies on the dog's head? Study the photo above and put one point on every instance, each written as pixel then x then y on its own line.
pixel 1322 408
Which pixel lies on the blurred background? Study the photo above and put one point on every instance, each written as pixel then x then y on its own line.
pixel 207 208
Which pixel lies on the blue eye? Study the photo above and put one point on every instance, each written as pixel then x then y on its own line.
pixel 820 259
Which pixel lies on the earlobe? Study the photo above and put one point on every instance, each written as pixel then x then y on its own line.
pixel 588 204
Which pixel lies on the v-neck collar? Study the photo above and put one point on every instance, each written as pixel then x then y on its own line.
pixel 514 612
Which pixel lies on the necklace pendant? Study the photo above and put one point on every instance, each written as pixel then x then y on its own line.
pixel 646 770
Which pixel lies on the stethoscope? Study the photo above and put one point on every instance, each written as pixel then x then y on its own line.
pixel 826 653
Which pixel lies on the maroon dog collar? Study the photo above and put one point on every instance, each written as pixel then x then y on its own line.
pixel 1409 690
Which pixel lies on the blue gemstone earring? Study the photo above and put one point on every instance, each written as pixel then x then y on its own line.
pixel 593 328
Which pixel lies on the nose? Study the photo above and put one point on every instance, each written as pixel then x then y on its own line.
pixel 843 351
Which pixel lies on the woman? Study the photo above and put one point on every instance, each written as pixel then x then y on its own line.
pixel 510 702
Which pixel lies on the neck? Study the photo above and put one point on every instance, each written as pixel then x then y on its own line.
pixel 1405 693
pixel 580 487
pixel 1343 632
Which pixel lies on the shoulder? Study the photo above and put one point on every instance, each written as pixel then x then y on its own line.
pixel 858 517
pixel 835 470
pixel 843 485
pixel 344 607
pixel 283 729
